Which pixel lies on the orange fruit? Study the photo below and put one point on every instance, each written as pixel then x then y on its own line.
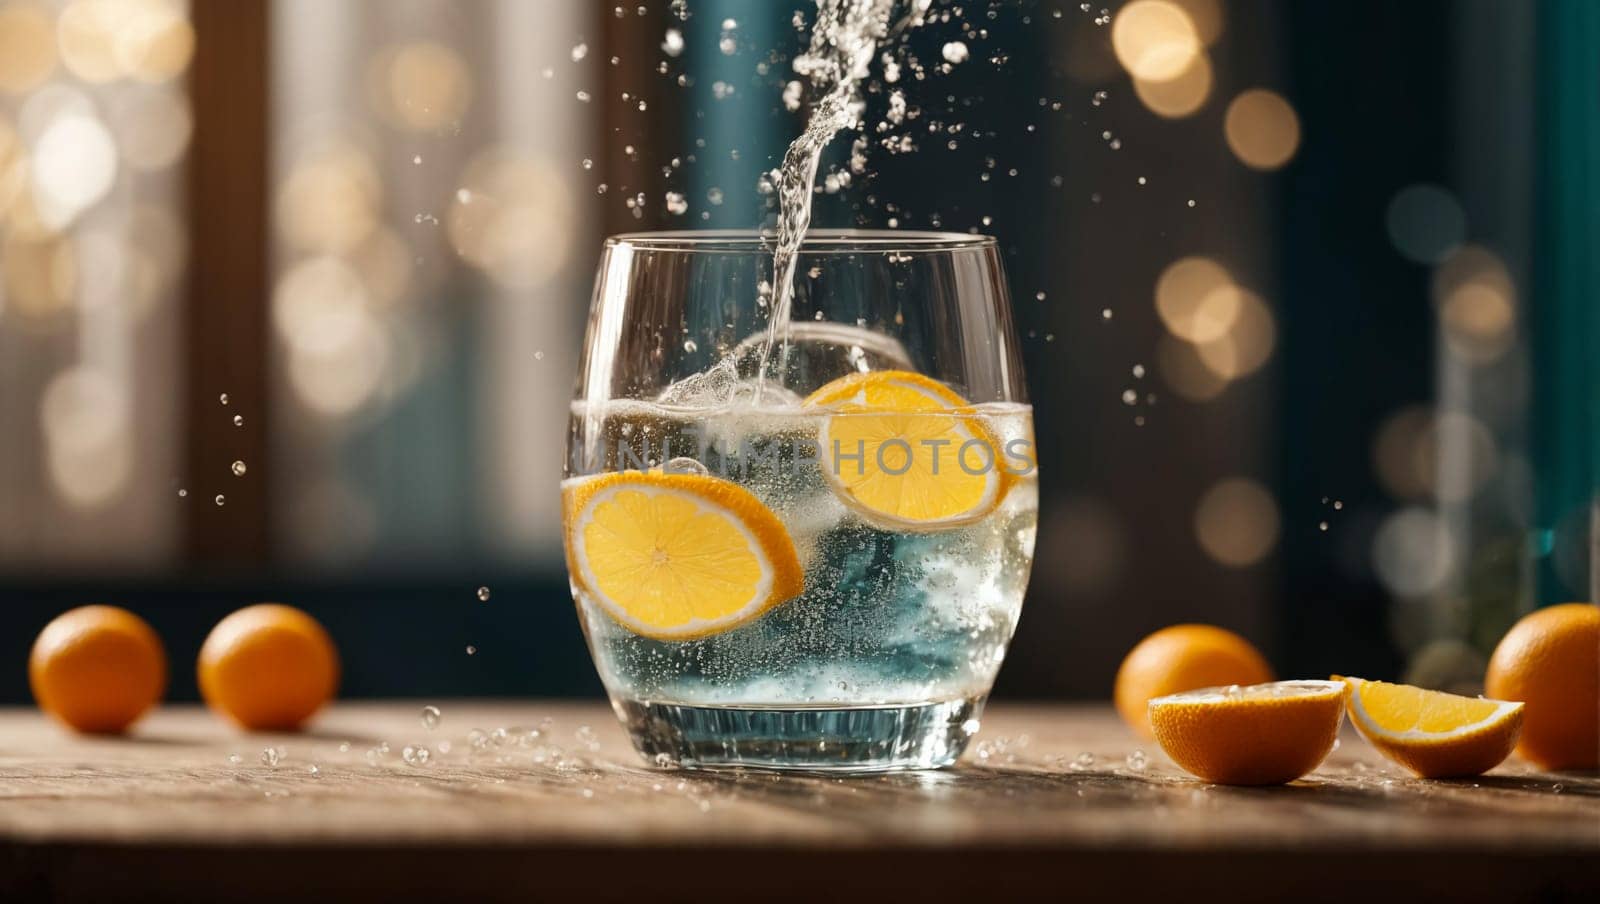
pixel 1182 658
pixel 97 668
pixel 1263 734
pixel 1434 734
pixel 905 452
pixel 677 556
pixel 268 667
pixel 1550 660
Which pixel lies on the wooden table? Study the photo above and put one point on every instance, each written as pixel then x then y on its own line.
pixel 1051 802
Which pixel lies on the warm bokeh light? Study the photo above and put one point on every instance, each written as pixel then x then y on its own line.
pixel 1402 453
pixel 422 86
pixel 74 166
pixel 1181 95
pixel 1249 340
pixel 1154 40
pixel 86 420
pixel 1477 304
pixel 1196 299
pixel 40 275
pixel 1185 373
pixel 329 201
pixel 151 126
pixel 27 47
pixel 1091 545
pixel 1262 129
pixel 1207 16
pixel 336 347
pixel 104 40
pixel 13 166
pixel 1236 522
pixel 510 217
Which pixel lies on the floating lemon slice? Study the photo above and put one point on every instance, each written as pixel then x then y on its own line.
pixel 903 451
pixel 677 556
pixel 1260 734
pixel 1434 734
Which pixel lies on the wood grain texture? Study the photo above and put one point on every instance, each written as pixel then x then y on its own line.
pixel 170 811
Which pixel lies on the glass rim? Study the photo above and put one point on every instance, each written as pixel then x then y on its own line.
pixel 817 241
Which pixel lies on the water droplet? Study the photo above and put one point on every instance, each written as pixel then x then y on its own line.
pixel 714 195
pixel 672 42
pixel 223 398
pixel 677 204
pixel 586 737
pixel 221 499
pixel 444 746
pixel 238 420
pixel 483 594
pixel 1138 371
pixel 690 346
pixel 664 760
pixel 270 756
pixel 471 650
pixel 1105 313
pixel 478 740
pixel 314 769
pixel 1083 761
pixel 234 758
pixel 416 160
pixel 1137 760
pixel 1557 788
pixel 344 746
pixel 415 756
pixel 430 717
pixel 1098 99
pixel 1130 397
pixel 238 469
pixel 579 51
pixel 955 52
pixel 182 493
pixel 1322 525
pixel 583 97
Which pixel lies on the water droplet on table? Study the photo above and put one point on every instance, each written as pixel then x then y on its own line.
pixel 270 756
pixel 430 717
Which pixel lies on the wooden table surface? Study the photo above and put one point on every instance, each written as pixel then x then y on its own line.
pixel 1049 802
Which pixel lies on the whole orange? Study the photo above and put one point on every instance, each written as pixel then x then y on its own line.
pixel 1183 658
pixel 268 667
pixel 97 668
pixel 1550 660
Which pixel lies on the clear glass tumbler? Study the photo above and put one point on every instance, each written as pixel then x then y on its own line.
pixel 808 554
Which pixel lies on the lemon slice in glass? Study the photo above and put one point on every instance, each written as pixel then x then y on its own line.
pixel 677 556
pixel 906 453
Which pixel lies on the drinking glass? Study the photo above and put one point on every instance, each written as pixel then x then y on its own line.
pixel 809 554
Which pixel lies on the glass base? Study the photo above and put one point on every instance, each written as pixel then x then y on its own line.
pixel 809 739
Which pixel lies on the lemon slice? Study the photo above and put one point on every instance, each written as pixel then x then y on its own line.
pixel 900 451
pixel 1432 733
pixel 1259 734
pixel 677 556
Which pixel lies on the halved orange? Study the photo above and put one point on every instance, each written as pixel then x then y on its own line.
pixel 1259 734
pixel 677 556
pixel 1434 734
pixel 906 452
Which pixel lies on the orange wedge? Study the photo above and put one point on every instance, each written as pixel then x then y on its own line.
pixel 1434 734
pixel 1260 734
pixel 677 556
pixel 905 453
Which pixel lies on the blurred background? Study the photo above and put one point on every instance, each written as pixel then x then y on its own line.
pixel 291 293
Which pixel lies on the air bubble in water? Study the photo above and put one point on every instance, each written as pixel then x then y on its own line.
pixel 483 594
pixel 714 195
pixel 672 43
pixel 1098 99
pixel 955 52
pixel 684 465
pixel 238 469
pixel 430 717
pixel 690 346
pixel 677 204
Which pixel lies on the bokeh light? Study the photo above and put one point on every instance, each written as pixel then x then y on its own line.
pixel 1196 299
pixel 1425 223
pixel 1237 522
pixel 40 275
pixel 1422 454
pixel 421 86
pixel 1249 340
pixel 105 40
pixel 329 201
pixel 1154 40
pixel 1412 552
pixel 1477 304
pixel 152 127
pixel 27 47
pixel 510 217
pixel 1179 96
pixel 85 419
pixel 1262 129
pixel 74 166
pixel 1185 373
